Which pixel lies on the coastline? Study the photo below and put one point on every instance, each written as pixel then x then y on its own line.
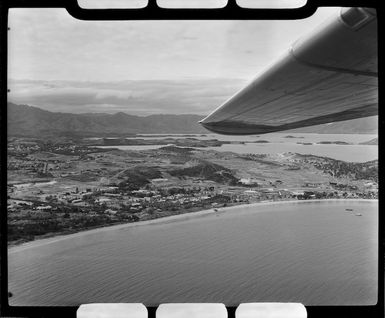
pixel 167 219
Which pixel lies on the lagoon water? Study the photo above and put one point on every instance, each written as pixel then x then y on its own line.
pixel 279 143
pixel 317 253
pixel 352 153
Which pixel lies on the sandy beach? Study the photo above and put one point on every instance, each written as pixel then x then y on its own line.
pixel 167 219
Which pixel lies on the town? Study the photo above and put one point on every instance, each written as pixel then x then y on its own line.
pixel 64 186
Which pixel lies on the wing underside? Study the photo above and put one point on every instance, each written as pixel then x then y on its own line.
pixel 331 75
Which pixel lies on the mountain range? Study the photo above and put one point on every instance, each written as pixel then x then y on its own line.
pixel 25 120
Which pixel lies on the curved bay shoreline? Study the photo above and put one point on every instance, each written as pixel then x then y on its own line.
pixel 56 237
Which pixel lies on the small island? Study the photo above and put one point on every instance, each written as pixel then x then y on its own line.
pixel 290 136
pixel 333 143
pixel 180 142
pixel 305 143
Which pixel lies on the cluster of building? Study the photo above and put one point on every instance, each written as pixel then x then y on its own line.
pixel 54 187
pixel 25 147
pixel 111 200
pixel 156 198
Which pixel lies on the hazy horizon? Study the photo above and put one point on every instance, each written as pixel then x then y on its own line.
pixel 61 64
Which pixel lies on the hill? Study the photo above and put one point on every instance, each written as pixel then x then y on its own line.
pixel 24 120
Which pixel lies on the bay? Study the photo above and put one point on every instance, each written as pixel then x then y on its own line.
pixel 317 253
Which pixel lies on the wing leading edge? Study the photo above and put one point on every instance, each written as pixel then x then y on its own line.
pixel 330 75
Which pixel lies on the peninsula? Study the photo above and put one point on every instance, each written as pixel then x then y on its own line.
pixel 65 186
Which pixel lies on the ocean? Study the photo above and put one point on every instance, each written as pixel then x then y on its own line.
pixel 317 253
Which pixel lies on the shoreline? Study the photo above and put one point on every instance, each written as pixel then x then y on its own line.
pixel 167 219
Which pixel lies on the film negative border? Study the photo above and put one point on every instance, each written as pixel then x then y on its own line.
pixel 153 12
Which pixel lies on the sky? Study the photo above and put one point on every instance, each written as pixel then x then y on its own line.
pixel 63 64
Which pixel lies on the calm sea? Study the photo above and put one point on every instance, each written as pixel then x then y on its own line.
pixel 279 143
pixel 315 253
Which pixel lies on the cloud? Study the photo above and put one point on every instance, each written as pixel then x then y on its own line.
pixel 139 67
pixel 191 96
pixel 48 44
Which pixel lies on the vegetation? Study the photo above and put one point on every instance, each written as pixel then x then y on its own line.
pixel 209 171
pixel 138 177
pixel 31 224
pixel 355 171
pixel 97 187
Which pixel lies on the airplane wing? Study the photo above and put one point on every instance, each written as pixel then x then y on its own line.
pixel 330 75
